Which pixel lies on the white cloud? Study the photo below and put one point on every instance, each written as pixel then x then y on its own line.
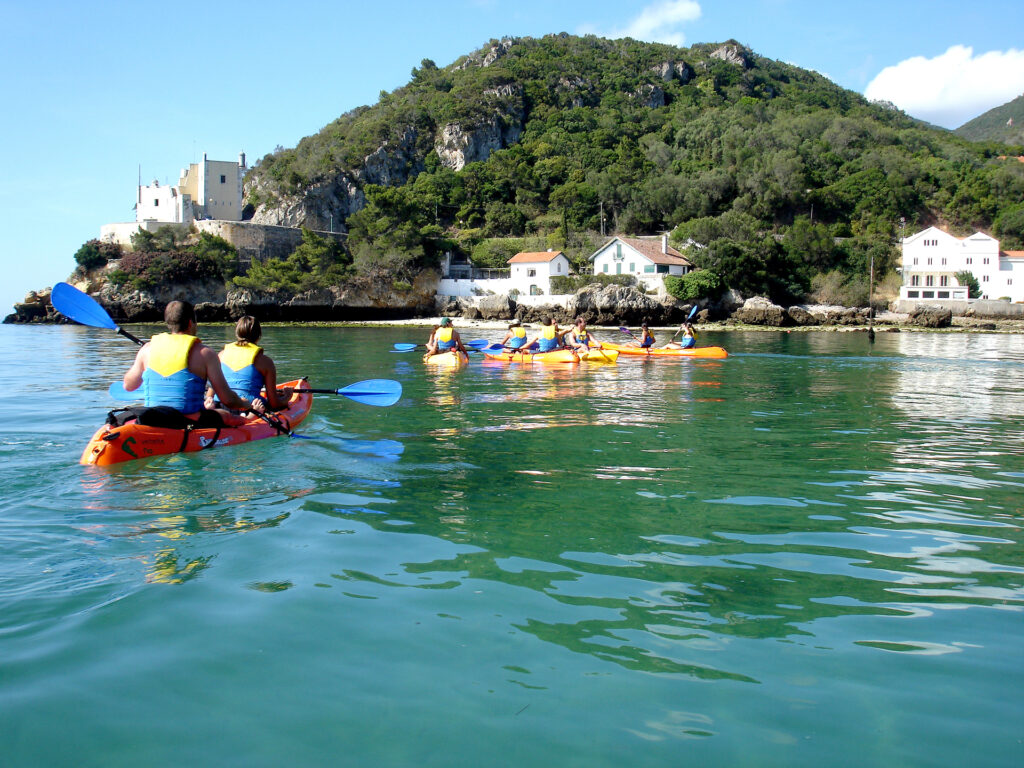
pixel 657 23
pixel 953 88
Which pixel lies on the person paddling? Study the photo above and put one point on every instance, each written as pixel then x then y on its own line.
pixel 173 368
pixel 248 369
pixel 581 337
pixel 549 338
pixel 516 336
pixel 688 341
pixel 444 339
pixel 645 339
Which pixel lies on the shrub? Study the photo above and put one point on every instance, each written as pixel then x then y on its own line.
pixel 701 283
pixel 968 279
pixel 94 254
pixel 562 284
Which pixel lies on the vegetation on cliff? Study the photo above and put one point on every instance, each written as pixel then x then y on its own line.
pixel 782 176
pixel 166 257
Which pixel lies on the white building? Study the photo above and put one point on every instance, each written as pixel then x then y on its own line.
pixel 211 189
pixel 932 258
pixel 648 259
pixel 532 272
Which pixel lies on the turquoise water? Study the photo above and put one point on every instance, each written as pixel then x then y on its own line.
pixel 807 554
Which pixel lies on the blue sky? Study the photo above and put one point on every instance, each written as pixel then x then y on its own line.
pixel 91 91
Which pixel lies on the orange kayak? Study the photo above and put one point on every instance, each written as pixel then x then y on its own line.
pixel 113 445
pixel 705 352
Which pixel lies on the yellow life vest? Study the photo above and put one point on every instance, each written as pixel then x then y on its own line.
pixel 236 355
pixel 444 334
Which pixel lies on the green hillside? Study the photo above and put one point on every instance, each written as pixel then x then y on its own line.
pixel 787 178
pixel 1003 124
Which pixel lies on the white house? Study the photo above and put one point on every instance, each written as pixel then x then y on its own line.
pixel 648 259
pixel 531 273
pixel 932 257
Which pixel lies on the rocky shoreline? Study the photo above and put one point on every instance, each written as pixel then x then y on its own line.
pixel 608 306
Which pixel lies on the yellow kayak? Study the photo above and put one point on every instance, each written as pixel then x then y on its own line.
pixel 705 352
pixel 452 359
pixel 555 356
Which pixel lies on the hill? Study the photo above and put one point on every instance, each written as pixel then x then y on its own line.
pixel 1003 124
pixel 787 180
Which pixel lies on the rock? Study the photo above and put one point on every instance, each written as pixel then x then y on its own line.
pixel 320 206
pixel 926 316
pixel 613 304
pixel 650 96
pixel 733 54
pixel 801 316
pixel 392 165
pixel 758 310
pixel 669 70
pixel 498 307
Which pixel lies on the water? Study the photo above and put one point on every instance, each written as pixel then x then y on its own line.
pixel 807 554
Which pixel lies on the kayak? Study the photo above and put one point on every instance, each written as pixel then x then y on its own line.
pixel 555 356
pixel 113 444
pixel 452 359
pixel 705 352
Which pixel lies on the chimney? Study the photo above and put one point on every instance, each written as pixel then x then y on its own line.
pixel 664 244
pixel 241 160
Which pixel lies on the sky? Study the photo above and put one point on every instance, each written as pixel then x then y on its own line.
pixel 94 92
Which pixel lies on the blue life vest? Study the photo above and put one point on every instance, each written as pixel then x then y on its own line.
pixel 548 340
pixel 167 379
pixel 444 339
pixel 689 342
pixel 647 339
pixel 518 338
pixel 236 360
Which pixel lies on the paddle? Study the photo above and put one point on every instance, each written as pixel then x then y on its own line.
pixel 84 309
pixel 689 317
pixel 471 346
pixel 378 392
pixel 624 329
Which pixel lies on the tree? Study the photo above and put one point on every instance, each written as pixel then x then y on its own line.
pixel 699 284
pixel 89 255
pixel 971 282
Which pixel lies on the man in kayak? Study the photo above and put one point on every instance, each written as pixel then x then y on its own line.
pixel 516 336
pixel 580 338
pixel 248 369
pixel 173 368
pixel 444 339
pixel 688 341
pixel 549 338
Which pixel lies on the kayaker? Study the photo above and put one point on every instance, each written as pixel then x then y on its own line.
pixel 688 341
pixel 549 338
pixel 173 368
pixel 248 369
pixel 645 340
pixel 581 337
pixel 516 336
pixel 444 339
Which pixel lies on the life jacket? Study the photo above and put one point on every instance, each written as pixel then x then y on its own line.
pixel 518 338
pixel 548 339
pixel 237 361
pixel 647 339
pixel 167 379
pixel 583 337
pixel 444 339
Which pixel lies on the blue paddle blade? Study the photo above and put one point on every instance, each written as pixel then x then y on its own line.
pixel 118 392
pixel 372 447
pixel 379 392
pixel 405 347
pixel 80 307
pixel 477 343
pixel 692 312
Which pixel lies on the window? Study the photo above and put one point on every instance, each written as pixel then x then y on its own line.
pixel 618 251
pixel 912 294
pixel 985 260
pixel 943 294
pixel 944 280
pixel 662 269
pixel 984 278
pixel 970 260
pixel 929 280
pixel 531 273
pixel 915 261
pixel 1009 281
pixel 606 269
pixel 649 269
pixel 223 179
pixel 915 279
pixel 927 294
pixel 156 203
pixel 618 268
pixel 632 267
pixel 929 261
pixel 558 267
pixel 943 261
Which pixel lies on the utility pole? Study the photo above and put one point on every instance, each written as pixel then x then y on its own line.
pixel 602 219
pixel 871 301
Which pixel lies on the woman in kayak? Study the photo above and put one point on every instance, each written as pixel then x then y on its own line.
pixel 645 340
pixel 580 336
pixel 444 339
pixel 549 338
pixel 688 341
pixel 516 336
pixel 248 369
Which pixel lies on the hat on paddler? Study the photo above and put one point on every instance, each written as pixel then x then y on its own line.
pixel 446 321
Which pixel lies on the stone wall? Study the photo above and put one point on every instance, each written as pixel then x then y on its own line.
pixel 972 308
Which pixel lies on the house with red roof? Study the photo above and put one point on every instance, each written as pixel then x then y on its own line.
pixel 933 257
pixel 531 272
pixel 648 259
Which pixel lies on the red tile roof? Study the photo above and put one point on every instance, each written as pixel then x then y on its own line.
pixel 534 257
pixel 1012 254
pixel 651 248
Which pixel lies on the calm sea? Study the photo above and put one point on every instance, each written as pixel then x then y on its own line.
pixel 808 554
